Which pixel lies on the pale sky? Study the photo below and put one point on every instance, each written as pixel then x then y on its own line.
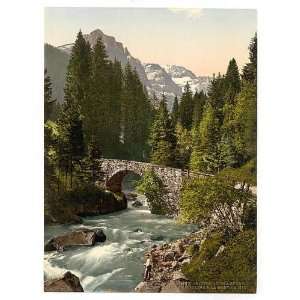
pixel 202 40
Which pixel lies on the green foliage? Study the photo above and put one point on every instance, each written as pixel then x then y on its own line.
pixel 199 101
pixel 162 139
pixel 152 187
pixel 135 116
pixel 56 63
pixel 183 146
pixel 244 123
pixel 186 108
pixel 250 69
pixel 205 156
pixel 175 112
pixel 215 200
pixel 232 82
pixel 236 264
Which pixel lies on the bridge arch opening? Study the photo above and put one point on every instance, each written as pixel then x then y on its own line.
pixel 123 180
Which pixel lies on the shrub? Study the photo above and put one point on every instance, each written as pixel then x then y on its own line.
pixel 152 187
pixel 233 270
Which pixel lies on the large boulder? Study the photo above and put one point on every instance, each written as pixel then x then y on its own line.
pixel 68 283
pixel 148 287
pixel 137 203
pixel 82 237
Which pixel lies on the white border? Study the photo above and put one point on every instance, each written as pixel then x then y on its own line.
pixel 21 151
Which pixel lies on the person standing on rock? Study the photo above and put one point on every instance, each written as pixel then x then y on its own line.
pixel 148 267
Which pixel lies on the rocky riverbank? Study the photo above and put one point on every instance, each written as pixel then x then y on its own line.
pixel 167 263
pixel 81 237
pixel 68 283
pixel 71 206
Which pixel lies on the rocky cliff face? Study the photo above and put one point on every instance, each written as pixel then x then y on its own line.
pixel 74 205
pixel 180 75
pixel 161 82
pixel 116 50
pixel 158 79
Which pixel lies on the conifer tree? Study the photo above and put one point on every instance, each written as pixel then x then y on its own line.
pixel 100 111
pixel 162 137
pixel 250 69
pixel 183 146
pixel 135 117
pixel 186 108
pixel 199 103
pixel 49 102
pixel 175 112
pixel 75 106
pixel 205 156
pixel 232 82
pixel 244 124
pixel 216 95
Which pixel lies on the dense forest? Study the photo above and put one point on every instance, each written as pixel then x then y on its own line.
pixel 108 113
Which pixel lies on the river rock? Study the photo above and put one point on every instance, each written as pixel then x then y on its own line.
pixel 131 196
pixel 169 256
pixel 220 250
pixel 82 237
pixel 178 275
pixel 148 287
pixel 100 236
pixel 178 247
pixel 157 237
pixel 137 203
pixel 68 283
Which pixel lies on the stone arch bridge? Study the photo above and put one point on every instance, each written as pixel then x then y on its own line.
pixel 114 171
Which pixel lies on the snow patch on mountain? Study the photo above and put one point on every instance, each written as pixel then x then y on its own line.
pixel 181 75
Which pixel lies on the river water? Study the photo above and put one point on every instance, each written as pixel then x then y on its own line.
pixel 117 264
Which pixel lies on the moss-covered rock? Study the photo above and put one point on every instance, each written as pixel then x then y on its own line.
pixel 86 201
pixel 232 270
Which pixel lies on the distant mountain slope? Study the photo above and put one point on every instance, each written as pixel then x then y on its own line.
pixel 161 82
pixel 56 62
pixel 167 79
pixel 180 75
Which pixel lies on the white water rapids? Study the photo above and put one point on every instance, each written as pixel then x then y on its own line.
pixel 117 264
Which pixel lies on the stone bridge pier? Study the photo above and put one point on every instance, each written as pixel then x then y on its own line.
pixel 115 170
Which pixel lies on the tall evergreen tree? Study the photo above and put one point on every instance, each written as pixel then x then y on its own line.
pixel 99 112
pixel 135 116
pixel 233 81
pixel 216 95
pixel 162 137
pixel 75 107
pixel 175 112
pixel 186 108
pixel 205 155
pixel 250 69
pixel 49 102
pixel 199 103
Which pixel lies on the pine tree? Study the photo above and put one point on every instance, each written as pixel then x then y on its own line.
pixel 135 116
pixel 49 102
pixel 250 69
pixel 205 156
pixel 199 103
pixel 216 95
pixel 244 124
pixel 175 112
pixel 186 108
pixel 162 137
pixel 183 146
pixel 228 154
pixel 76 106
pixel 233 81
pixel 99 114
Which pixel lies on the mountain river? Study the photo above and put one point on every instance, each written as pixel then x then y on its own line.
pixel 117 264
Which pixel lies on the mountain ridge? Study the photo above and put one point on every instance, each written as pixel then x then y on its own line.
pixel 158 79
